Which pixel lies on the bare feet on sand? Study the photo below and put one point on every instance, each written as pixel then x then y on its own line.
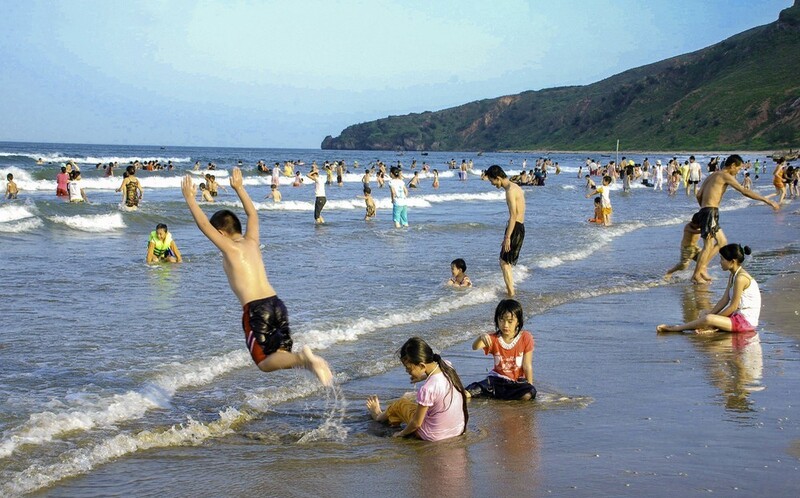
pixel 316 365
pixel 374 407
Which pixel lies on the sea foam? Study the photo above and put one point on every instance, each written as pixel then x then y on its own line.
pixel 92 222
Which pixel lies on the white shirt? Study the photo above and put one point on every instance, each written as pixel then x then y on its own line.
pixel 398 187
pixel 319 187
pixel 74 189
pixel 694 171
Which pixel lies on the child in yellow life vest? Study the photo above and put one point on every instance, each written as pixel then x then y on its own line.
pixel 161 247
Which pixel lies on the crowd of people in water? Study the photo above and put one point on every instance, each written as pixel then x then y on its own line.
pixel 439 410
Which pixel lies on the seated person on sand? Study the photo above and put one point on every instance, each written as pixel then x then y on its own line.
pixel 161 248
pixel 440 408
pixel 689 248
pixel 738 309
pixel 458 267
pixel 512 349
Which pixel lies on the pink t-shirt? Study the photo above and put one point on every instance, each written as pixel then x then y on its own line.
pixel 61 180
pixel 508 356
pixel 445 416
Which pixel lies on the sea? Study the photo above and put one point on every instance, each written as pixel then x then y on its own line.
pixel 123 378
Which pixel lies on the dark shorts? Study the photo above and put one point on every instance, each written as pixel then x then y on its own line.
pixel 501 388
pixel 266 327
pixel 319 203
pixel 693 182
pixel 517 237
pixel 708 219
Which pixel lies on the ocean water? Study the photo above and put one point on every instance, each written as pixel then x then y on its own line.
pixel 110 367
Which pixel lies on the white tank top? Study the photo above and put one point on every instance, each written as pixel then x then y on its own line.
pixel 750 302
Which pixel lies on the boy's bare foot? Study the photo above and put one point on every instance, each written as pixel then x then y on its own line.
pixel 374 407
pixel 668 277
pixel 663 328
pixel 316 365
pixel 699 280
pixel 710 330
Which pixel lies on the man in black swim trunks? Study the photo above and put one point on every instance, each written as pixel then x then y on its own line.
pixel 515 228
pixel 709 197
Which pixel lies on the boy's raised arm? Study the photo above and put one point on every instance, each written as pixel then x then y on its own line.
pixel 189 193
pixel 237 184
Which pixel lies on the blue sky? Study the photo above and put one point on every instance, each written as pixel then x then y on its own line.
pixel 287 73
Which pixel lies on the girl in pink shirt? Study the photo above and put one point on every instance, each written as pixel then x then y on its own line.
pixel 440 408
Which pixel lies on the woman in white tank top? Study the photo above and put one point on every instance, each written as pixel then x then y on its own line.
pixel 739 308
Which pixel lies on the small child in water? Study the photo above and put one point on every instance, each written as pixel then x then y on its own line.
pixel 689 248
pixel 605 199
pixel 459 279
pixel 440 408
pixel 512 348
pixel 264 319
pixel 369 202
pixel 598 211
pixel 275 194
pixel 11 187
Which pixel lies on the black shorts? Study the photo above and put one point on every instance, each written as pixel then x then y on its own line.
pixel 501 388
pixel 517 237
pixel 266 327
pixel 319 203
pixel 708 220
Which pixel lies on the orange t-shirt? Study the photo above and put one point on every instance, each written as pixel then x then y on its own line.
pixel 508 356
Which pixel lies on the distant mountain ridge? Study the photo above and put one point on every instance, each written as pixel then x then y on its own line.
pixel 740 94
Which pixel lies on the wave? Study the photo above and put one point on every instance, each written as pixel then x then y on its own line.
pixel 422 201
pixel 601 239
pixel 92 222
pixel 57 157
pixel 18 218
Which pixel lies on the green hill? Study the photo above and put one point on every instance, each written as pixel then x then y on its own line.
pixel 740 94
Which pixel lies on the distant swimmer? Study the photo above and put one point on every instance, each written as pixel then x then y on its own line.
pixel 778 180
pixel 709 196
pixel 515 227
pixel 161 247
pixel 739 308
pixel 11 187
pixel 207 197
pixel 319 194
pixel 275 194
pixel 435 178
pixel 265 320
pixel 131 188
pixel 369 203
pixel 605 199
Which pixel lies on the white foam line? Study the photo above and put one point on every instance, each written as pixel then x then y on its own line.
pixel 46 426
pixel 603 237
pixel 82 461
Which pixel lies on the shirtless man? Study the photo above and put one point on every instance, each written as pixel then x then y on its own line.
pixel 265 320
pixel 709 197
pixel 515 229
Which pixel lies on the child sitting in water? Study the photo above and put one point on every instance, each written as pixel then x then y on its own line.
pixel 11 187
pixel 512 348
pixel 440 408
pixel 689 248
pixel 598 211
pixel 458 267
pixel 264 319
pixel 739 308
pixel 161 247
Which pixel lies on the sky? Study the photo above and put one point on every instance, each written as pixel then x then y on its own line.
pixel 286 73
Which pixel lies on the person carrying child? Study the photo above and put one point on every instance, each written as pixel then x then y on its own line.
pixel 458 267
pixel 264 319
pixel 440 408
pixel 739 308
pixel 512 349
pixel 690 250
pixel 605 199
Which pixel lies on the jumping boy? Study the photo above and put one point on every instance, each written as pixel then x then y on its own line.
pixel 709 197
pixel 515 227
pixel 264 319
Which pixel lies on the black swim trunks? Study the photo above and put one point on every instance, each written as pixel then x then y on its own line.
pixel 266 327
pixel 708 220
pixel 517 237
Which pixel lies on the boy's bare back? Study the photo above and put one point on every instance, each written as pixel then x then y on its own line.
pixel 241 253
